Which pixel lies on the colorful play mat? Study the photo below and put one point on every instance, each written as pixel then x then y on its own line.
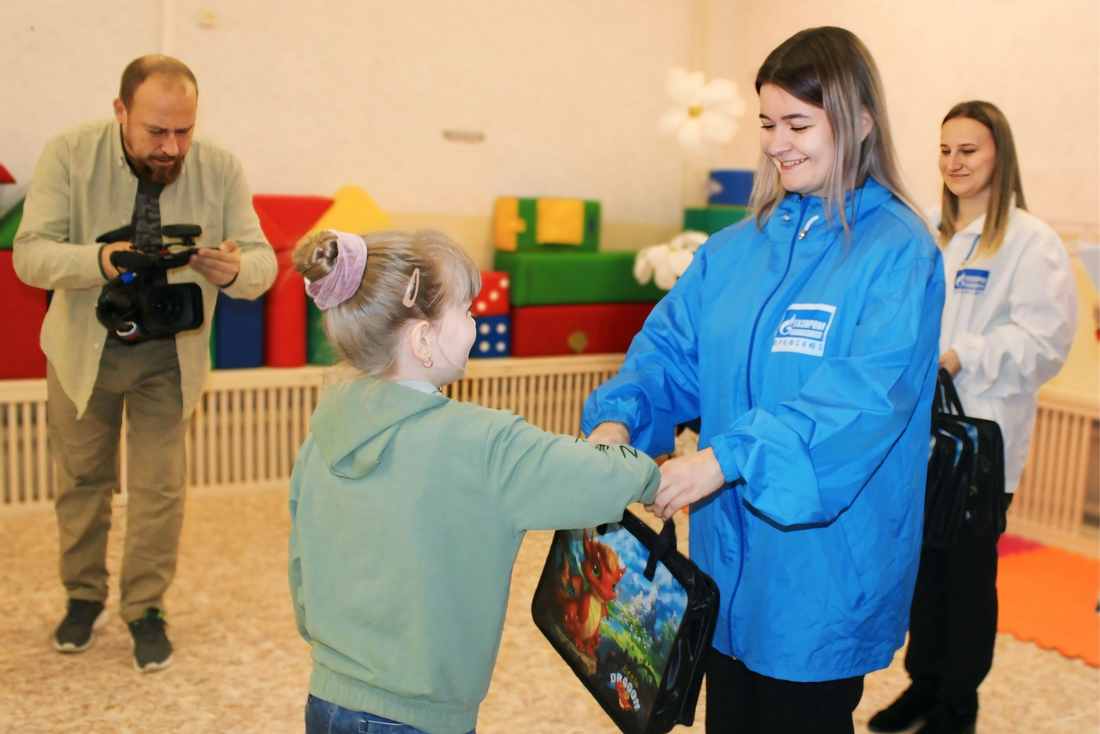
pixel 1049 596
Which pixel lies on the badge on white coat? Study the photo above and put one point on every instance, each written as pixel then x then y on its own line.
pixel 971 281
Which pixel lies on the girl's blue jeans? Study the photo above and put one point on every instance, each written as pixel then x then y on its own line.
pixel 323 717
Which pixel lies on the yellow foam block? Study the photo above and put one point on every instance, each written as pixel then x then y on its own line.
pixel 353 210
pixel 507 223
pixel 560 221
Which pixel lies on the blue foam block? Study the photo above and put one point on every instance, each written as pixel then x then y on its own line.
pixel 240 334
pixel 731 186
pixel 494 337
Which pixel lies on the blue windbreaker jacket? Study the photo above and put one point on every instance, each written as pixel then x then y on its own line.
pixel 812 363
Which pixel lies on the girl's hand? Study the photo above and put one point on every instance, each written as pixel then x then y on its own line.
pixel 686 479
pixel 950 362
pixel 610 433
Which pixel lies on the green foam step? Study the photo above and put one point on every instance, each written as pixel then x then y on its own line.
pixel 713 219
pixel 561 278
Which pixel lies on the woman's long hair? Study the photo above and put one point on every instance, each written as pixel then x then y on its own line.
pixel 1005 182
pixel 832 69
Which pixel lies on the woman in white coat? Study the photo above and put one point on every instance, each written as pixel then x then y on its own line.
pixel 1009 318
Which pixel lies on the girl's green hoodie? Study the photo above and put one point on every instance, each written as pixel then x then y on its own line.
pixel 407 510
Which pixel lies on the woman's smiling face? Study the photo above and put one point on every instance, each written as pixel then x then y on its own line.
pixel 798 139
pixel 968 157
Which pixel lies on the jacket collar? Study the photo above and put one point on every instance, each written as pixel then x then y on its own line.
pixel 796 210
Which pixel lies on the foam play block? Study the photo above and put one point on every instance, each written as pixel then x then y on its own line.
pixel 494 337
pixel 9 225
pixel 556 278
pixel 318 349
pixel 546 224
pixel 713 219
pixel 731 186
pixel 544 331
pixel 240 342
pixel 213 343
pixel 285 316
pixel 495 296
pixel 22 309
pixel 352 210
pixel 285 218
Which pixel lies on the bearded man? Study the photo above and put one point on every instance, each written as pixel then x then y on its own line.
pixel 144 167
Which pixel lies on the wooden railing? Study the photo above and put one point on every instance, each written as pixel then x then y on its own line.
pixel 249 424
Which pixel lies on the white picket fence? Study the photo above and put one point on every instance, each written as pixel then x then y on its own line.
pixel 247 428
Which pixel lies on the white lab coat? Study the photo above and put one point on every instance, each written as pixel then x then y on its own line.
pixel 1011 319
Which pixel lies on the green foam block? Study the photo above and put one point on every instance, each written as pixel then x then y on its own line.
pixel 214 341
pixel 318 349
pixel 559 278
pixel 9 225
pixel 713 219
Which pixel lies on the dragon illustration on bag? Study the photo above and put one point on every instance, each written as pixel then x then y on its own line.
pixel 584 600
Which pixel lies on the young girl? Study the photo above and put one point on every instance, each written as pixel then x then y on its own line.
pixel 1008 322
pixel 407 509
pixel 806 339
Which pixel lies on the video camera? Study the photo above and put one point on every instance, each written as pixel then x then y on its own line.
pixel 139 303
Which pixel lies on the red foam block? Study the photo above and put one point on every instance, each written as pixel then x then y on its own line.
pixel 544 331
pixel 495 296
pixel 284 218
pixel 22 309
pixel 285 316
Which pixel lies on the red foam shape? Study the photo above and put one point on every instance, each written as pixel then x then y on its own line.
pixel 5 176
pixel 285 316
pixel 284 218
pixel 495 296
pixel 1009 545
pixel 22 309
pixel 544 331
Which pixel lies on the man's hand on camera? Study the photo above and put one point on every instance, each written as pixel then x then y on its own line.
pixel 105 257
pixel 219 266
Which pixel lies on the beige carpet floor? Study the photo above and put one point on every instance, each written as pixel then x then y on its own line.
pixel 241 667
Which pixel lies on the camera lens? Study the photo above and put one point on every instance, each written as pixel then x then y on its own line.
pixel 165 305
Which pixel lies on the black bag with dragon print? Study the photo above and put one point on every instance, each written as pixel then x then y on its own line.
pixel 632 617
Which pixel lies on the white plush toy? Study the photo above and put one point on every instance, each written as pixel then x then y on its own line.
pixel 666 263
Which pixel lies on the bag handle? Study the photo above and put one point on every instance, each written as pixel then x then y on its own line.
pixel 666 541
pixel 948 397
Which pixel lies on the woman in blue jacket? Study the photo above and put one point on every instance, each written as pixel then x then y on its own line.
pixel 806 339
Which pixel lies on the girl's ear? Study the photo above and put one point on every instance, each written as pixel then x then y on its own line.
pixel 866 123
pixel 420 341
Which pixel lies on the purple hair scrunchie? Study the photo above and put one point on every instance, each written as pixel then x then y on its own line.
pixel 346 275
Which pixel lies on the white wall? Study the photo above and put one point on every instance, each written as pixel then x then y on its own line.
pixel 1038 60
pixel 311 96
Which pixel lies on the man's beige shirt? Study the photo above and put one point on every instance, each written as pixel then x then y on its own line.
pixel 82 188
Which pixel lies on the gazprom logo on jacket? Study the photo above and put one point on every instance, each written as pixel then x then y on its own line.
pixel 804 329
pixel 971 281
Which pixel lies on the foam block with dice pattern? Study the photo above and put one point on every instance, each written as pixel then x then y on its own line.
pixel 494 337
pixel 495 296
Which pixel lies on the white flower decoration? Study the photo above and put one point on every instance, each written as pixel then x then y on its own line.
pixel 666 263
pixel 705 114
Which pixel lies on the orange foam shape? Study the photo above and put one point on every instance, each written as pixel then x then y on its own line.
pixel 1048 596
pixel 353 210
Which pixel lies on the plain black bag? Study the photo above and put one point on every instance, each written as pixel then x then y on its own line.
pixel 966 486
pixel 632 617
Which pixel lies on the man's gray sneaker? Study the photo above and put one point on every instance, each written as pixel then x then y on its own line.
pixel 76 633
pixel 152 650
